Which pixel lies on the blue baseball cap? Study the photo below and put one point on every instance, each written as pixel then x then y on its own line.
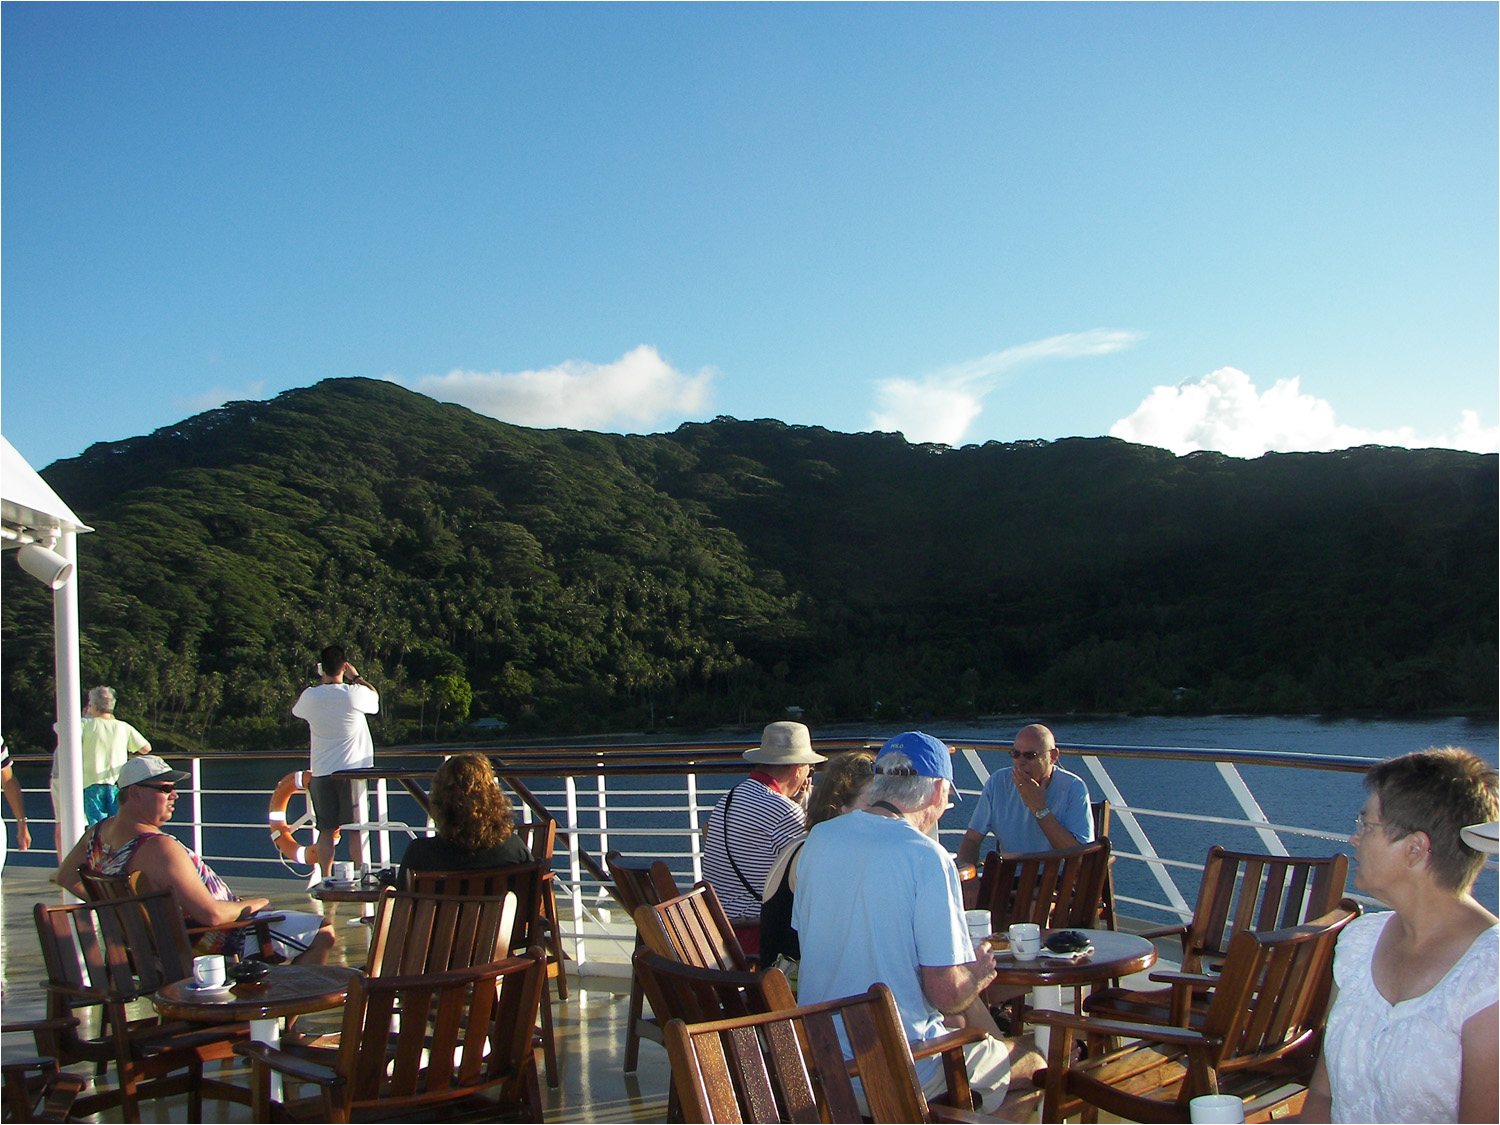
pixel 929 757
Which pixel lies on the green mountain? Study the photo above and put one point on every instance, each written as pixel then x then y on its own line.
pixel 569 582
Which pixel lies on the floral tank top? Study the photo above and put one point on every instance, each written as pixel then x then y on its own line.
pixel 113 861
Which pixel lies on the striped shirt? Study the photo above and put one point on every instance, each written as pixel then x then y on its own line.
pixel 760 823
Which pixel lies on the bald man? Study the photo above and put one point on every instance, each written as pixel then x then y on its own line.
pixel 1033 806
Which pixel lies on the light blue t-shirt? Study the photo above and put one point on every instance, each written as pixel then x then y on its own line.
pixel 876 900
pixel 1001 812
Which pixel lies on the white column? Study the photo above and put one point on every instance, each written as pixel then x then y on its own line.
pixel 70 818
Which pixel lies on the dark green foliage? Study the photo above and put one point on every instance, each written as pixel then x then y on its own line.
pixel 570 582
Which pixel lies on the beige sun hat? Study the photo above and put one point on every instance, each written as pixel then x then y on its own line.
pixel 784 744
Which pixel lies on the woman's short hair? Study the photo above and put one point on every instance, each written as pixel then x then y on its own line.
pixel 470 809
pixel 102 699
pixel 839 785
pixel 1438 791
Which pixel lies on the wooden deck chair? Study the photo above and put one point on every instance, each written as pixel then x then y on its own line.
pixel 107 955
pixel 526 881
pixel 463 1038
pixel 693 928
pixel 1239 891
pixel 540 838
pixel 1258 1041
pixel 637 883
pixel 35 1089
pixel 98 887
pixel 414 933
pixel 1102 816
pixel 789 1065
pixel 1055 890
pixel 693 995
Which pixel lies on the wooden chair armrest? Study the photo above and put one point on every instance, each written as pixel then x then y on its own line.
pixel 942 1112
pixel 59 1023
pixel 256 920
pixel 1165 931
pixel 84 992
pixel 1199 980
pixel 1175 1036
pixel 948 1041
pixel 293 1066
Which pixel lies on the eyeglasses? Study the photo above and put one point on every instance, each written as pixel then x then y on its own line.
pixel 169 789
pixel 1029 755
pixel 1361 825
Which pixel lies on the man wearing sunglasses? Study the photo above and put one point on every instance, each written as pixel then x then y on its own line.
pixel 132 841
pixel 1031 807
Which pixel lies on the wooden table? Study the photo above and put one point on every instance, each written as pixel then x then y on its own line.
pixel 329 891
pixel 285 990
pixel 1115 955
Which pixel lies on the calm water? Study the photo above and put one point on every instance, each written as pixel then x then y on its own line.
pixel 645 815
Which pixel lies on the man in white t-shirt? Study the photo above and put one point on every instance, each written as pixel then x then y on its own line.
pixel 335 711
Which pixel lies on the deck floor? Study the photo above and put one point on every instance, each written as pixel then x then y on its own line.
pixel 589 1025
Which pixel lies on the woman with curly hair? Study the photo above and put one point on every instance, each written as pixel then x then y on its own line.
pixel 475 822
pixel 836 791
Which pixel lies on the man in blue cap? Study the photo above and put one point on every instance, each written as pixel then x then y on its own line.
pixel 879 900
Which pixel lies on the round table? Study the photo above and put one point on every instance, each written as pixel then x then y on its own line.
pixel 330 891
pixel 285 990
pixel 1115 955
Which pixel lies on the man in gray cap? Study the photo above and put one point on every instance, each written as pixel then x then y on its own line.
pixel 132 841
pixel 755 820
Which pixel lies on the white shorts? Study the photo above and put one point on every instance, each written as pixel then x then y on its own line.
pixel 293 935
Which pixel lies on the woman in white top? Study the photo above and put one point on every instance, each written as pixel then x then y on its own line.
pixel 1414 1033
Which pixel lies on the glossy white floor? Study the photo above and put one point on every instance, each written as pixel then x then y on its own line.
pixel 590 1024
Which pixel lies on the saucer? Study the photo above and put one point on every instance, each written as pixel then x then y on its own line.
pixel 208 989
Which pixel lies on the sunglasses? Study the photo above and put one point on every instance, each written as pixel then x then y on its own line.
pixel 158 788
pixel 1029 755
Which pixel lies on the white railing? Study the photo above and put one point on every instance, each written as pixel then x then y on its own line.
pixel 598 808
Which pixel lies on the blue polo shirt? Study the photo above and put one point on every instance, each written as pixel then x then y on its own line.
pixel 1001 812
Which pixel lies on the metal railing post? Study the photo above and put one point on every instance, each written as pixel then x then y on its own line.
pixel 1251 807
pixel 196 769
pixel 695 841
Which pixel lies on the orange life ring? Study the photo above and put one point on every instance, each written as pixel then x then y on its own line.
pixel 283 835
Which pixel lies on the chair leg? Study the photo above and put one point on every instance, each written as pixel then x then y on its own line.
pixel 549 1043
pixel 555 954
pixel 633 1025
pixel 195 1092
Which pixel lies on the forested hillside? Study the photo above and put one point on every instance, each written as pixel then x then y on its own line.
pixel 568 582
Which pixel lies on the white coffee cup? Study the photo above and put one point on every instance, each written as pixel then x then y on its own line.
pixel 1025 941
pixel 979 925
pixel 208 971
pixel 1216 1108
pixel 343 872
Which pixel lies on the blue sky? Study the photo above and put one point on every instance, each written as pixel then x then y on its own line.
pixel 1242 227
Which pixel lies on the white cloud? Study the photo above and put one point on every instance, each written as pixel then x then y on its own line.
pixel 215 397
pixel 941 405
pixel 1223 411
pixel 636 391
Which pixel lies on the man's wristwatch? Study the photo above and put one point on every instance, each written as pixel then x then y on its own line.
pixel 1041 813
